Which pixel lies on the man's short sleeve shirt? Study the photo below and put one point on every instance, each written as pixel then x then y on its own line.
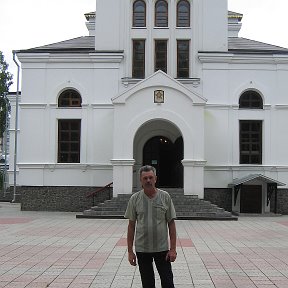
pixel 152 217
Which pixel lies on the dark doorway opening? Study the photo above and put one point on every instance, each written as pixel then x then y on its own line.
pixel 251 199
pixel 166 157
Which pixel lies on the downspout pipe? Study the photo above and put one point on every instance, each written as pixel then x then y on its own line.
pixel 16 126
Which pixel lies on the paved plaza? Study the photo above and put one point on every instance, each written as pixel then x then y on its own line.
pixel 56 250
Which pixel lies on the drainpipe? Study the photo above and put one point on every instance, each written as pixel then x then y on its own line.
pixel 16 126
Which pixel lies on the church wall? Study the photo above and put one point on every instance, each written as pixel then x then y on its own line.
pixel 215 22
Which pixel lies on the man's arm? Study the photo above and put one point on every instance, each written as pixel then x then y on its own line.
pixel 130 241
pixel 172 254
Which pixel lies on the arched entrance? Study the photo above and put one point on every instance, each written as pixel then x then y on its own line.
pixel 165 156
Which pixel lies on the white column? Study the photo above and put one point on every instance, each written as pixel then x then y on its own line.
pixel 194 177
pixel 122 176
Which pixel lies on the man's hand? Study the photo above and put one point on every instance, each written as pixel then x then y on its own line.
pixel 171 255
pixel 132 258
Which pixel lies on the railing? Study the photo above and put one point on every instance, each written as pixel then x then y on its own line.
pixel 108 186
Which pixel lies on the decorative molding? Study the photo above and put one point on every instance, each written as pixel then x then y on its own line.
pixel 212 57
pixel 281 106
pixel 33 105
pixel 253 168
pixel 102 106
pixel 58 166
pixel 193 163
pixel 122 162
pixel 126 81
pixel 194 81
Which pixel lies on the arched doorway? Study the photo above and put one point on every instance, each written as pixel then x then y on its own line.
pixel 165 156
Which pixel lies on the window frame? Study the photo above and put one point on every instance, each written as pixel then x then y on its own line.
pixel 67 155
pixel 184 69
pixel 72 98
pixel 178 20
pixel 161 18
pixel 251 138
pixel 136 15
pixel 138 72
pixel 158 53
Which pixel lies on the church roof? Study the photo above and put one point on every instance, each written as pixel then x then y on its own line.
pixel 237 45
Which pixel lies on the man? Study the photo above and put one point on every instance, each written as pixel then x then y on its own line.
pixel 152 212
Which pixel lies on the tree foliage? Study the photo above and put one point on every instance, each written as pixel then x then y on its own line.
pixel 5 83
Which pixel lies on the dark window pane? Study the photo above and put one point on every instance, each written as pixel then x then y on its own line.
pixel 161 13
pixel 251 100
pixel 139 14
pixel 69 98
pixel 250 136
pixel 69 141
pixel 138 70
pixel 182 58
pixel 183 13
pixel 161 55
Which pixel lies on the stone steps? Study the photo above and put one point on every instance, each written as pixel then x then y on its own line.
pixel 186 206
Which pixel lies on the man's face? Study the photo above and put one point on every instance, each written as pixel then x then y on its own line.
pixel 148 180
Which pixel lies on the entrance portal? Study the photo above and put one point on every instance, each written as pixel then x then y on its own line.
pixel 251 199
pixel 166 157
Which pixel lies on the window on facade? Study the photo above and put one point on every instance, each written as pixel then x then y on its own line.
pixel 161 13
pixel 183 13
pixel 161 55
pixel 250 142
pixel 138 69
pixel 69 98
pixel 251 100
pixel 139 14
pixel 69 132
pixel 182 58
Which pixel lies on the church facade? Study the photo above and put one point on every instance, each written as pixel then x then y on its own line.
pixel 162 82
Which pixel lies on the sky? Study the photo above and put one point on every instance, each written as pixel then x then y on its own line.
pixel 30 23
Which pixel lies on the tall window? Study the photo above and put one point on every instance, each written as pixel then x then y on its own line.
pixel 251 100
pixel 161 55
pixel 138 69
pixel 182 58
pixel 139 14
pixel 69 98
pixel 69 140
pixel 250 142
pixel 183 13
pixel 161 13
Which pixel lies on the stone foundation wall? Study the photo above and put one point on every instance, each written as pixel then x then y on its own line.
pixel 66 199
pixel 282 202
pixel 222 197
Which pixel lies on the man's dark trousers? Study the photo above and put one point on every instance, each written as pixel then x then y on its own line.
pixel 145 262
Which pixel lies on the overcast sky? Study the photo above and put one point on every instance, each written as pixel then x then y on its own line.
pixel 31 23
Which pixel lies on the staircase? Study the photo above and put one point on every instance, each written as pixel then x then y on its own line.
pixel 188 207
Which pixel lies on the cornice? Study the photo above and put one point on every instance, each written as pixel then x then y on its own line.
pixel 231 58
pixel 113 57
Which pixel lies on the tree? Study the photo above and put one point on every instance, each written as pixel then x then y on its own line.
pixel 5 83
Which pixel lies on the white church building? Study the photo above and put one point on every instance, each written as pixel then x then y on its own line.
pixel 162 82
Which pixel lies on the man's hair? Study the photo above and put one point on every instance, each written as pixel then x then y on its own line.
pixel 147 168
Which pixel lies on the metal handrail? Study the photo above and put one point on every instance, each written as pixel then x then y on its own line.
pixel 99 190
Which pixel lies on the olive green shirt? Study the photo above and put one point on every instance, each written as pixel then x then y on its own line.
pixel 152 216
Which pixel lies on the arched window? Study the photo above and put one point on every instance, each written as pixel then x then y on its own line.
pixel 183 13
pixel 139 14
pixel 161 13
pixel 69 130
pixel 69 98
pixel 250 100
